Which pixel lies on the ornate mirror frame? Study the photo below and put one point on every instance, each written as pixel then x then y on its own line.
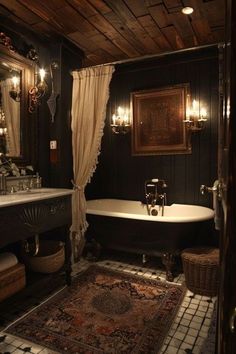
pixel 27 121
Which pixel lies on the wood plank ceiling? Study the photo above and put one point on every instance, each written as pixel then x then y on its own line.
pixel 113 30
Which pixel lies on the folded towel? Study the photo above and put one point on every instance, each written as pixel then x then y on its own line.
pixel 7 260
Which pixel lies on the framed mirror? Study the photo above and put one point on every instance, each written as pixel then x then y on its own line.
pixel 16 124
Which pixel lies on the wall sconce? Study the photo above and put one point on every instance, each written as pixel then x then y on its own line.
pixel 3 128
pixel 3 131
pixel 37 92
pixel 195 116
pixel 15 89
pixel 120 122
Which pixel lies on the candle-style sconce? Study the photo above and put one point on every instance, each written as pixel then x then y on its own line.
pixel 3 132
pixel 120 121
pixel 3 128
pixel 196 116
pixel 15 92
pixel 37 91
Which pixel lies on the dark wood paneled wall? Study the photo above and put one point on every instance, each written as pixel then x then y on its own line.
pixel 121 175
pixel 55 168
pixel 68 59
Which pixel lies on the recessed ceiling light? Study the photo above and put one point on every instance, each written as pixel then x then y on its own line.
pixel 187 10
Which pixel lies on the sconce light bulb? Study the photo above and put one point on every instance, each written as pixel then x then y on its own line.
pixel 188 113
pixel 120 111
pixel 42 74
pixel 113 119
pixel 194 104
pixel 15 81
pixel 195 109
pixel 203 113
pixel 126 119
pixel 3 131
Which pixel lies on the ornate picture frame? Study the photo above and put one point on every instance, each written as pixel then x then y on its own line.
pixel 157 121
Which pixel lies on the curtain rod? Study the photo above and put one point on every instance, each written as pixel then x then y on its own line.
pixel 151 56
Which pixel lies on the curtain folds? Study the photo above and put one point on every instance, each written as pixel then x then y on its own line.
pixel 90 94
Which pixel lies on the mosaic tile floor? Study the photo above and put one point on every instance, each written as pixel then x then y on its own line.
pixel 188 334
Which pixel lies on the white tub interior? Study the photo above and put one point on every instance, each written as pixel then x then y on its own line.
pixel 136 210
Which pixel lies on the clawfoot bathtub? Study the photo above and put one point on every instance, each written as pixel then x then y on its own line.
pixel 125 225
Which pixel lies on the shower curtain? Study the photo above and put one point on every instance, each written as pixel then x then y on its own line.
pixel 90 94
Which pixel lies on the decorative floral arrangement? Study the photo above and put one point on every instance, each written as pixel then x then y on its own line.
pixel 9 168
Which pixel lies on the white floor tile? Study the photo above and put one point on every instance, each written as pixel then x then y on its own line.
pixel 189 329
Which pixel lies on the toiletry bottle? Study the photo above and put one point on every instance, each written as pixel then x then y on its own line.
pixel 38 182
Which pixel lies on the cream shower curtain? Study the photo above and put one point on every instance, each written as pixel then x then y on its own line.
pixel 89 99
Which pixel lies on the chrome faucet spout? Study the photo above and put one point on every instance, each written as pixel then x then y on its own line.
pixel 154 194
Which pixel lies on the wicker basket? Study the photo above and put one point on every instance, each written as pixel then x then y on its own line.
pixel 50 258
pixel 201 270
pixel 12 280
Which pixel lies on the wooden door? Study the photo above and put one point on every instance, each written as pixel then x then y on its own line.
pixel 226 343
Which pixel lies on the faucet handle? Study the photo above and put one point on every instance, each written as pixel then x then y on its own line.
pixel 13 189
pixel 31 183
pixel 38 181
pixel 204 189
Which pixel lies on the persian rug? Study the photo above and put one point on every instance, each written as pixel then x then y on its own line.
pixel 104 311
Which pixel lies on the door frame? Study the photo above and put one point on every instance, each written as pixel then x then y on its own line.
pixel 226 341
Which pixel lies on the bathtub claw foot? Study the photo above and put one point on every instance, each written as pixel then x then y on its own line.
pixel 168 261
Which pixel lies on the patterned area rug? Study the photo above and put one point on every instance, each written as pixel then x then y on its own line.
pixel 104 311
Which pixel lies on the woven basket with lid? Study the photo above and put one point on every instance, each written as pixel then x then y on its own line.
pixel 201 270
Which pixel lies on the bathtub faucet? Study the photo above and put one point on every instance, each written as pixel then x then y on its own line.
pixel 155 195
pixel 162 204
pixel 151 199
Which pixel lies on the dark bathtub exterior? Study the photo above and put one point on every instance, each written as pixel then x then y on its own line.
pixel 165 240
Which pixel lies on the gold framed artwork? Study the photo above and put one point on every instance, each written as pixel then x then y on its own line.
pixel 157 121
